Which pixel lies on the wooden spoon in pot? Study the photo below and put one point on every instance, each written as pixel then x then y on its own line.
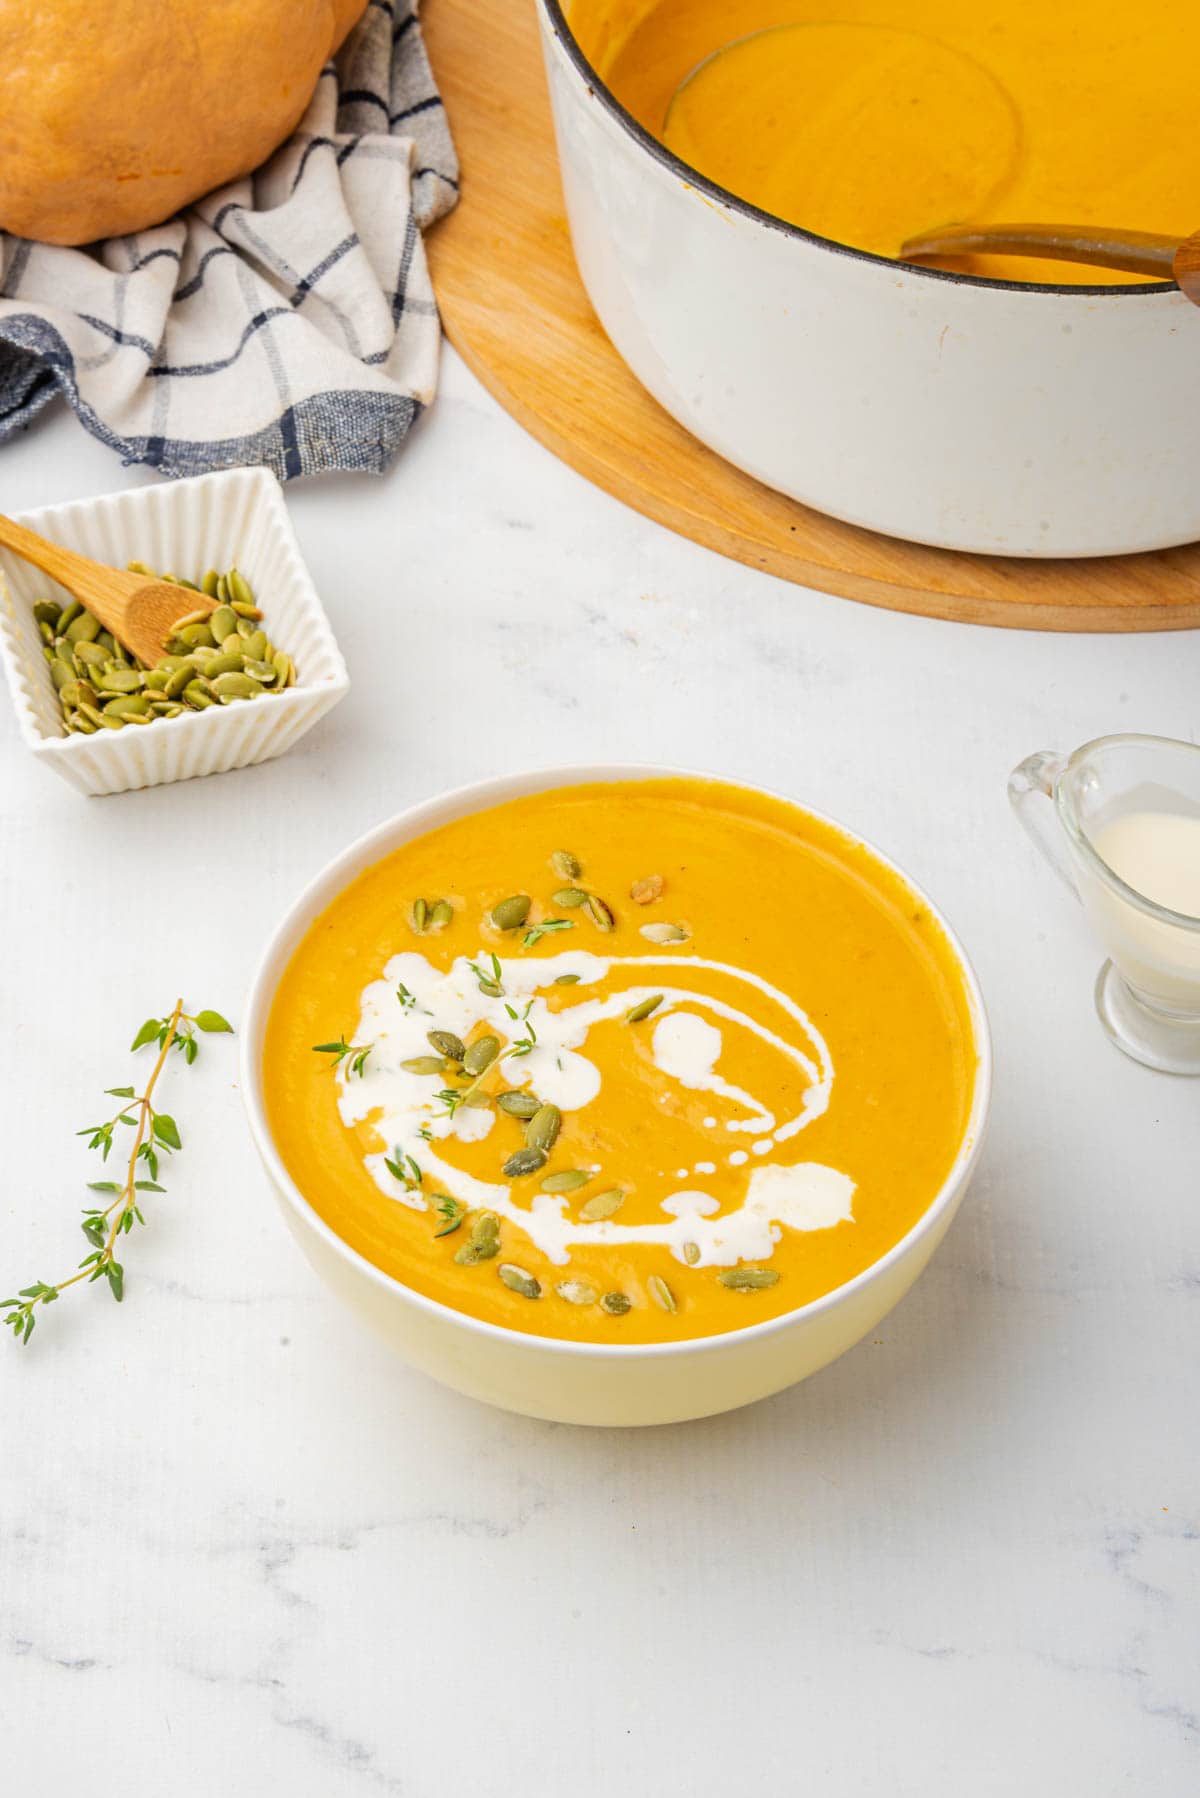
pixel 1137 252
pixel 138 609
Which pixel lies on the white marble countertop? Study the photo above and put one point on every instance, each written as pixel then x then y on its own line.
pixel 245 1551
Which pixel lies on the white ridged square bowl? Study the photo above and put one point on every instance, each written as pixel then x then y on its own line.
pixel 214 521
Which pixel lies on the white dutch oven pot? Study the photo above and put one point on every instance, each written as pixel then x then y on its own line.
pixel 976 414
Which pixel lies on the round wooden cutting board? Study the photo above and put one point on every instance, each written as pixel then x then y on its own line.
pixel 515 309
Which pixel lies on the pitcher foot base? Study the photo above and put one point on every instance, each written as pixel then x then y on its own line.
pixel 1171 1045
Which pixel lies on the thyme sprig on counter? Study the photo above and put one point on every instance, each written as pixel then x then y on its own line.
pixel 155 1134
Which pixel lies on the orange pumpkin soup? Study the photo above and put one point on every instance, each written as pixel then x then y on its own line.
pixel 868 121
pixel 628 1062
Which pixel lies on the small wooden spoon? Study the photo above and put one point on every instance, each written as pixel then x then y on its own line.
pixel 1137 252
pixel 136 608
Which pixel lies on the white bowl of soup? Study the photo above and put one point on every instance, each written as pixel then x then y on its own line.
pixel 613 1095
pixel 737 221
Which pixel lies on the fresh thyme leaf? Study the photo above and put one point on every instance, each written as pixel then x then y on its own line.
pixel 212 1021
pixel 357 1052
pixel 166 1130
pixel 406 998
pixel 102 1228
pixel 489 983
pixel 524 1045
pixel 545 928
pixel 451 1211
pixel 403 1168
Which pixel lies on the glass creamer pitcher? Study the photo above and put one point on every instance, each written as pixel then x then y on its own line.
pixel 1122 827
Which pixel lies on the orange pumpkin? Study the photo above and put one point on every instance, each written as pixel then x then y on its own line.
pixel 112 117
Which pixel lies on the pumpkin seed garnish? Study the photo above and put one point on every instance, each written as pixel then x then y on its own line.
pixel 665 933
pixel 424 1064
pixel 616 1304
pixel 517 1280
pixel 636 1013
pixel 748 1279
pixel 565 865
pixel 599 913
pixel 511 913
pixel 570 897
pixel 441 915
pixel 661 1293
pixel 419 916
pixel 566 980
pixel 481 1054
pixel 541 1132
pixel 691 1253
pixel 645 892
pixel 524 1161
pixel 483 1244
pixel 570 1180
pixel 446 1043
pixel 577 1292
pixel 518 1105
pixel 602 1205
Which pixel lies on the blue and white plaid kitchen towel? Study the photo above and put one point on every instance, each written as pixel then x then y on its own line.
pixel 287 319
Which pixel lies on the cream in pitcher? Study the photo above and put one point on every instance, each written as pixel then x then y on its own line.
pixel 1158 855
pixel 1127 841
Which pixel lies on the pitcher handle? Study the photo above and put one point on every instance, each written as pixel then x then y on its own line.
pixel 1032 781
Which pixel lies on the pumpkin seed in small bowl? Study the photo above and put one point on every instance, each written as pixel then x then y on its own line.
pixel 225 695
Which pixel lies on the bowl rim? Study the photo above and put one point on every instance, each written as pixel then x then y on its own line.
pixel 479 795
pixel 675 165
